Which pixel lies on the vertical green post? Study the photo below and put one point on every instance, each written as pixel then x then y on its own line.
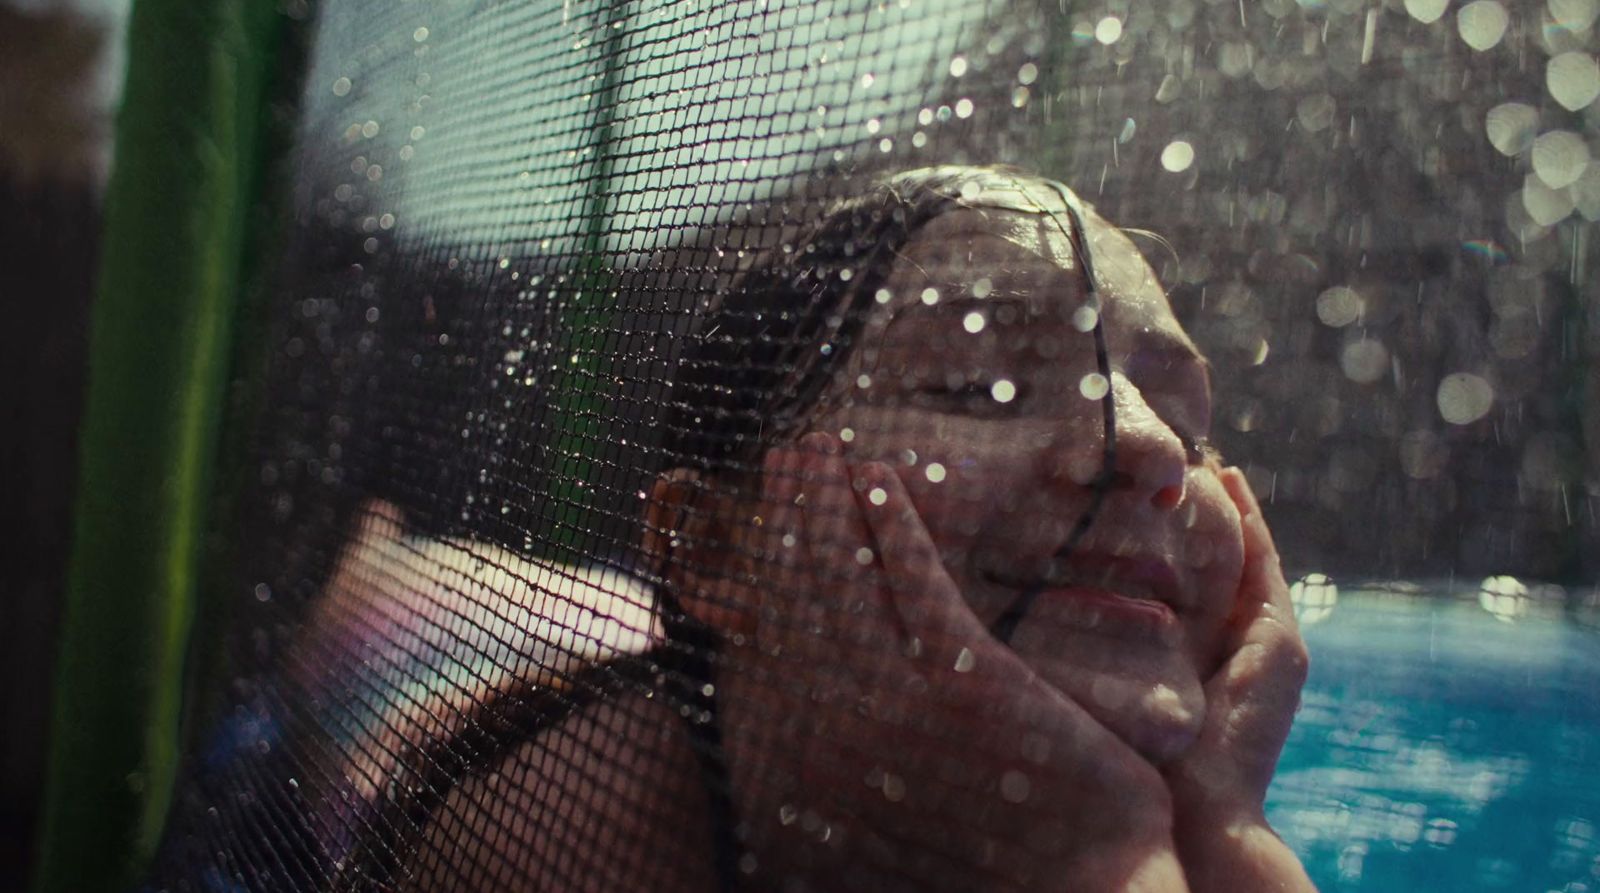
pixel 177 210
pixel 586 319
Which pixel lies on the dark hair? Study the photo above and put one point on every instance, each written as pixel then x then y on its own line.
pixel 765 347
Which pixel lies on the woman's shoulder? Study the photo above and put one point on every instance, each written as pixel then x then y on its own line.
pixel 609 797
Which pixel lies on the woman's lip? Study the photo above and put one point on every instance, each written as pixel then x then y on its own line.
pixel 1108 602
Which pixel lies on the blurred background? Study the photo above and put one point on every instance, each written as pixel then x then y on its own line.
pixel 60 73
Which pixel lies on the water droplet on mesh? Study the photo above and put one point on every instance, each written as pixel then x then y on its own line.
pixel 1027 74
pixel 1482 23
pixel 847 434
pixel 883 296
pixel 1573 80
pixel 1546 206
pixel 1427 11
pixel 1093 386
pixel 1108 30
pixel 1339 306
pixel 1559 158
pixel 420 35
pixel 934 472
pixel 1177 156
pixel 930 296
pixel 958 66
pixel 341 86
pixel 1511 127
pixel 964 108
pixel 863 556
pixel 877 496
pixel 1003 391
pixel 1464 398
pixel 973 322
pixel 867 79
pixel 1084 319
pixel 1364 361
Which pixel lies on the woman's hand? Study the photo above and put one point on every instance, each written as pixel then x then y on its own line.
pixel 889 742
pixel 1219 787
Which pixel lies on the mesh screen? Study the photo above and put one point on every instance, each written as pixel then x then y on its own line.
pixel 734 446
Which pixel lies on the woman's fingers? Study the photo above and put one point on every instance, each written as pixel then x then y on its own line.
pixel 1262 585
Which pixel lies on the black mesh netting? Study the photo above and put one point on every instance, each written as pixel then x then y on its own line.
pixel 683 457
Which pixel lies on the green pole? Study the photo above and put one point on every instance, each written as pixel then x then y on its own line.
pixel 178 209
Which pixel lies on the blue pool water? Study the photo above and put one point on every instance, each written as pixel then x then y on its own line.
pixel 1441 747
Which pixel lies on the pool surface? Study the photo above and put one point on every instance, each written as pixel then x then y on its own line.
pixel 1443 747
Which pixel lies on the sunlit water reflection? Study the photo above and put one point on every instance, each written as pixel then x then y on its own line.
pixel 1443 747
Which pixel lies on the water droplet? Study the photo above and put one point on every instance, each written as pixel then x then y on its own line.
pixel 1171 88
pixel 1027 74
pixel 930 296
pixel 1464 398
pixel 341 86
pixel 847 434
pixel 863 556
pixel 867 79
pixel 963 108
pixel 894 788
pixel 1511 127
pixel 1084 319
pixel 965 661
pixel 982 287
pixel 1560 158
pixel 1573 80
pixel 1364 361
pixel 1003 391
pixel 934 472
pixel 1128 130
pixel 883 296
pixel 1482 23
pixel 1546 206
pixel 1427 11
pixel 973 322
pixel 1014 786
pixel 1315 112
pixel 863 381
pixel 1108 30
pixel 1093 386
pixel 877 496
pixel 1339 306
pixel 420 35
pixel 958 66
pixel 1177 156
pixel 1574 15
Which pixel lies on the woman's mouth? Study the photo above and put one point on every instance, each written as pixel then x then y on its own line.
pixel 1103 594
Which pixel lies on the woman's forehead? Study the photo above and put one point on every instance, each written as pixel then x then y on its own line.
pixel 979 252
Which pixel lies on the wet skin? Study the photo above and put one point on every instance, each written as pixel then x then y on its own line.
pixel 1134 622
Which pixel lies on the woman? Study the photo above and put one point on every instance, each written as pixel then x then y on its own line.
pixel 928 626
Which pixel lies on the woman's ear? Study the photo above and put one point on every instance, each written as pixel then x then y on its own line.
pixel 682 529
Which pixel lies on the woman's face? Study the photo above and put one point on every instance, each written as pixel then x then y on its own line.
pixel 976 380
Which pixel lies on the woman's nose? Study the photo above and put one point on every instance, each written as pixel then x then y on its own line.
pixel 1151 462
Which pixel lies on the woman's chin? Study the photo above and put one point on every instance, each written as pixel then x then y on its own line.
pixel 1149 696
